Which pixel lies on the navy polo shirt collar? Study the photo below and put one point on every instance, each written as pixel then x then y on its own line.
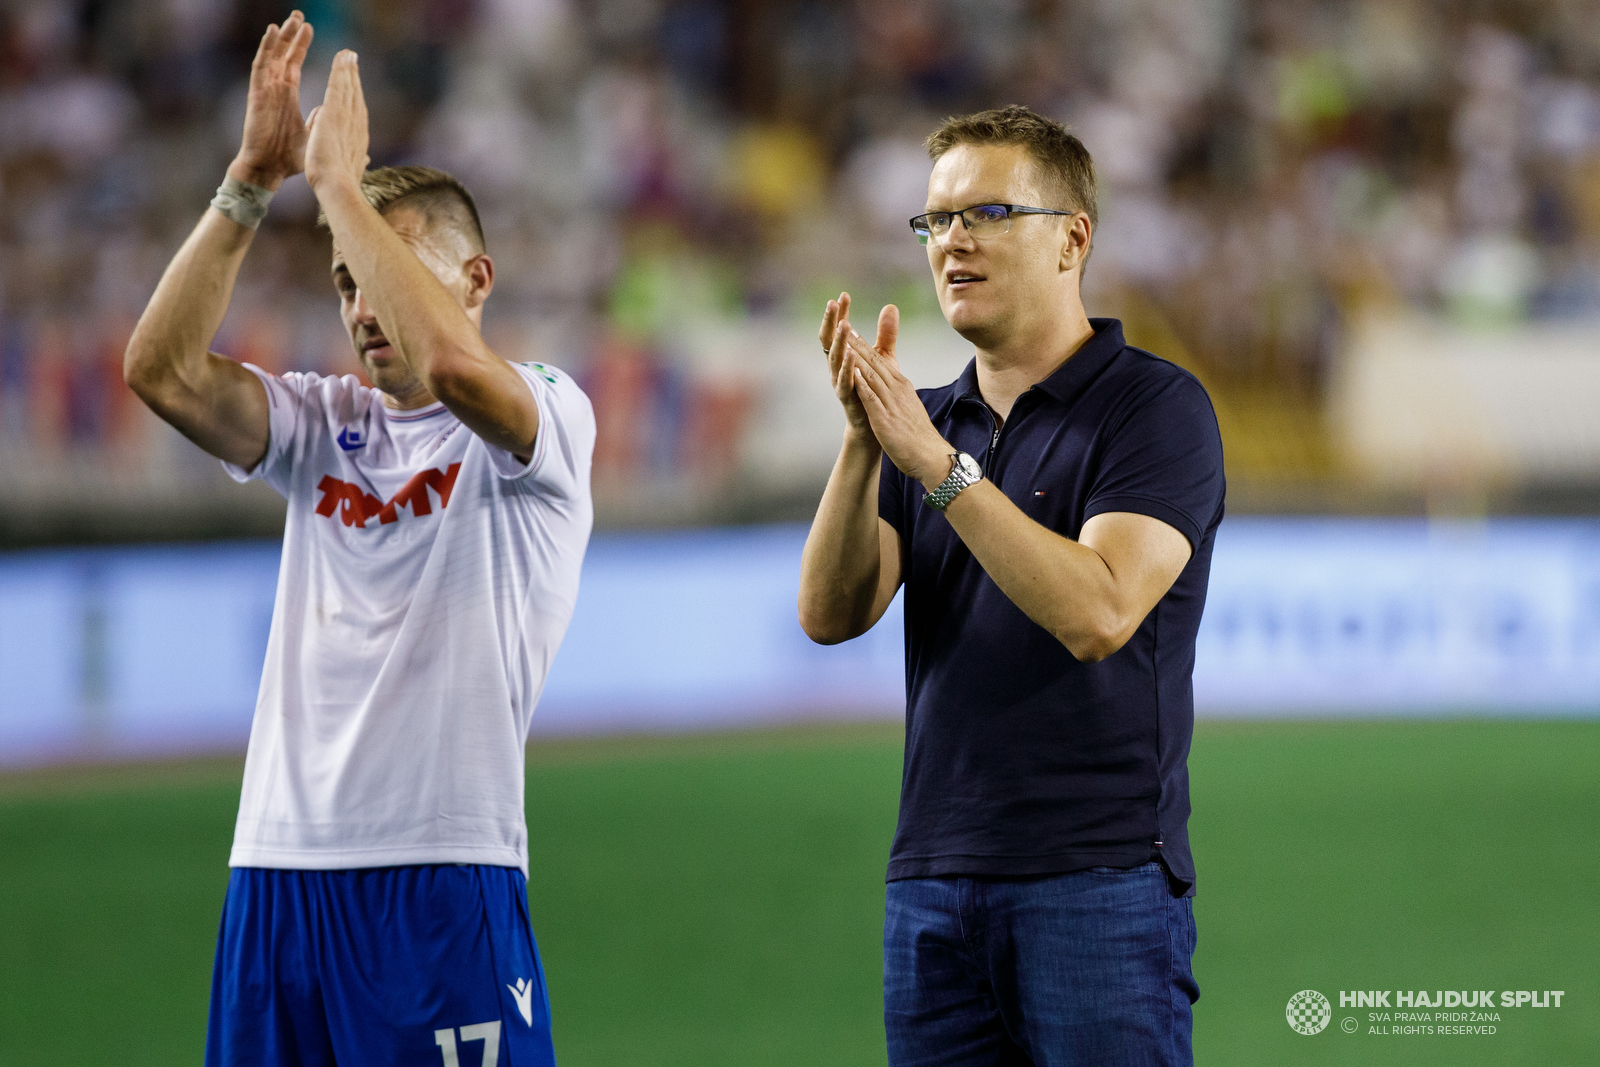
pixel 1069 379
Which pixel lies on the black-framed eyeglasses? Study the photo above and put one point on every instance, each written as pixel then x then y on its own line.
pixel 981 220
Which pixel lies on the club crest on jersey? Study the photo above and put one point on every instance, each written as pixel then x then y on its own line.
pixel 356 506
pixel 350 440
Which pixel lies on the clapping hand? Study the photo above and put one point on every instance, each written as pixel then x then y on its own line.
pixel 834 336
pixel 337 148
pixel 274 143
pixel 893 410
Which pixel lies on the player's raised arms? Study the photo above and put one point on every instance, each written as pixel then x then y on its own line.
pixel 212 400
pixel 423 292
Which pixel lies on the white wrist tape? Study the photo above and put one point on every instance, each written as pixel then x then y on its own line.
pixel 242 202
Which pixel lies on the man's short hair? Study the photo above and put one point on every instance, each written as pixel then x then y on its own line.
pixel 442 200
pixel 1065 169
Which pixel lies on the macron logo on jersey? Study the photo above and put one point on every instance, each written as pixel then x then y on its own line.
pixel 349 439
pixel 523 991
pixel 356 507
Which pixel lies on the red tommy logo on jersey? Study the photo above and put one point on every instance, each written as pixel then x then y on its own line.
pixel 355 507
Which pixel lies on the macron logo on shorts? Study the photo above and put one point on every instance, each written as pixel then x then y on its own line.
pixel 523 991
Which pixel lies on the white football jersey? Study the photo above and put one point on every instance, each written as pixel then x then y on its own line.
pixel 427 580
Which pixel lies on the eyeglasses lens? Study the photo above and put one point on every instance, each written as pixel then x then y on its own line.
pixel 931 225
pixel 985 220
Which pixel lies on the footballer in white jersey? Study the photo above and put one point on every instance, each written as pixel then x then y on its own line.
pixel 437 522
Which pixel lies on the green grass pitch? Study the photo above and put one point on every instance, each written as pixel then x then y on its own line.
pixel 717 900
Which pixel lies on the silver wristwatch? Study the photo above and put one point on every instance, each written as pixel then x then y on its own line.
pixel 963 473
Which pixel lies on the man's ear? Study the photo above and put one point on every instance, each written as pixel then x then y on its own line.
pixel 480 279
pixel 1075 245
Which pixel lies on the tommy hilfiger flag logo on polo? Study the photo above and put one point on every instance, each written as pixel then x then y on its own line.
pixel 523 991
pixel 356 506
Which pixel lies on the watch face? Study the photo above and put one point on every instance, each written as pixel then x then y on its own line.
pixel 969 466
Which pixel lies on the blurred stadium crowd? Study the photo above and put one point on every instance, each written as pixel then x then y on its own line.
pixel 1270 170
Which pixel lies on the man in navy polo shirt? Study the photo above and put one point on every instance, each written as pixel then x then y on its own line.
pixel 1051 514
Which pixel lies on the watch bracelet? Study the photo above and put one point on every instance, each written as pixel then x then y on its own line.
pixel 941 495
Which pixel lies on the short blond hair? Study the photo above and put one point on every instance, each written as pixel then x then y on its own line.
pixel 1064 163
pixel 441 198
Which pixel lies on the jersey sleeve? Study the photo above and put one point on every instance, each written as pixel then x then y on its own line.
pixel 1164 460
pixel 563 448
pixel 286 399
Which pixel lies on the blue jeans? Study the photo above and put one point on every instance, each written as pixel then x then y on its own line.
pixel 1089 968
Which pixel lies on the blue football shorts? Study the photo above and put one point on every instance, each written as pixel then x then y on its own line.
pixel 432 966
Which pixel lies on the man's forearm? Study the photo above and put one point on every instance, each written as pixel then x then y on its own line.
pixel 839 569
pixel 420 318
pixel 173 336
pixel 217 404
pixel 1064 586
